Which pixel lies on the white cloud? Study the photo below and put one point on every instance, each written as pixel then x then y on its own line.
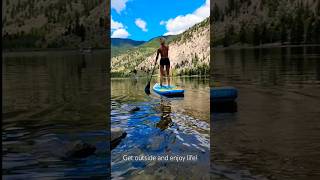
pixel 181 23
pixel 204 10
pixel 141 24
pixel 120 33
pixel 118 5
pixel 115 25
pixel 118 30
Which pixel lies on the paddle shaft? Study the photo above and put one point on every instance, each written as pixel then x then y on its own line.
pixel 154 67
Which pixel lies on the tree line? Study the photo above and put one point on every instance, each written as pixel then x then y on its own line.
pixel 295 23
pixel 58 14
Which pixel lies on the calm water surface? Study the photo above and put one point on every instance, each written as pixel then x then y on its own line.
pixel 274 133
pixel 49 99
pixel 162 126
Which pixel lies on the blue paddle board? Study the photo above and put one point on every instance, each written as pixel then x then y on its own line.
pixel 166 90
pixel 223 94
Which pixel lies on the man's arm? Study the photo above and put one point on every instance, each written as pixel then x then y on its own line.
pixel 158 52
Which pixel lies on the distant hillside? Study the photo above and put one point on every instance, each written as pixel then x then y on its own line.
pixel 119 45
pixel 259 22
pixel 154 42
pixel 188 53
pixel 54 23
pixel 125 42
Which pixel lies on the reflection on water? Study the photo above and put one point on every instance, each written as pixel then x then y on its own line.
pixel 275 132
pixel 162 126
pixel 224 107
pixel 165 118
pixel 50 100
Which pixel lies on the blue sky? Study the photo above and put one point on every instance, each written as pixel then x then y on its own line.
pixel 146 19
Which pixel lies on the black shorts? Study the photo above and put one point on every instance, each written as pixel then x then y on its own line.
pixel 164 61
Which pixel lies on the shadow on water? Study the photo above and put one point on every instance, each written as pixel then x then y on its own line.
pixel 54 103
pixel 224 107
pixel 162 126
pixel 274 133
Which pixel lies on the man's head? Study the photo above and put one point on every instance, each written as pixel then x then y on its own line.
pixel 162 40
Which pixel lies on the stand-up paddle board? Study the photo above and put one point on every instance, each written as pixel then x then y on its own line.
pixel 223 94
pixel 166 90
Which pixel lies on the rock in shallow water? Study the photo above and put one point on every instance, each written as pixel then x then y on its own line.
pixel 79 149
pixel 130 108
pixel 64 149
pixel 117 134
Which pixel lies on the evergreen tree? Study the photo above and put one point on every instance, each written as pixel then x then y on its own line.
pixel 264 33
pixel 216 12
pixel 318 9
pixel 101 22
pixel 231 6
pixel 298 28
pixel 242 33
pixel 228 36
pixel 315 31
pixel 82 32
pixel 256 35
pixel 309 29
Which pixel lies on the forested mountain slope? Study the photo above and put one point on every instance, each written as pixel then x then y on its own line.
pixel 188 53
pixel 54 23
pixel 256 22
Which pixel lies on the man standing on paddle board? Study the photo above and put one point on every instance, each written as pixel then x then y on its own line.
pixel 164 61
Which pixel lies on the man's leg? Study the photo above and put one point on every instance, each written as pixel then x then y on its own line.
pixel 161 74
pixel 168 73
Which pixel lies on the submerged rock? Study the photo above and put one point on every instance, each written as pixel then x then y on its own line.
pixel 117 134
pixel 130 108
pixel 64 149
pixel 79 149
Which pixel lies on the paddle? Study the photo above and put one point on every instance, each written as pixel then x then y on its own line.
pixel 147 88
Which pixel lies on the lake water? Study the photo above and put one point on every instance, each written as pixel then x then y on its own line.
pixel 163 126
pixel 49 100
pixel 274 131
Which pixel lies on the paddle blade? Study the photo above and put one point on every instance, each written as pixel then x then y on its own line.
pixel 147 88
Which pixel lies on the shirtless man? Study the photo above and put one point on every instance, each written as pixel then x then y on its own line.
pixel 164 61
